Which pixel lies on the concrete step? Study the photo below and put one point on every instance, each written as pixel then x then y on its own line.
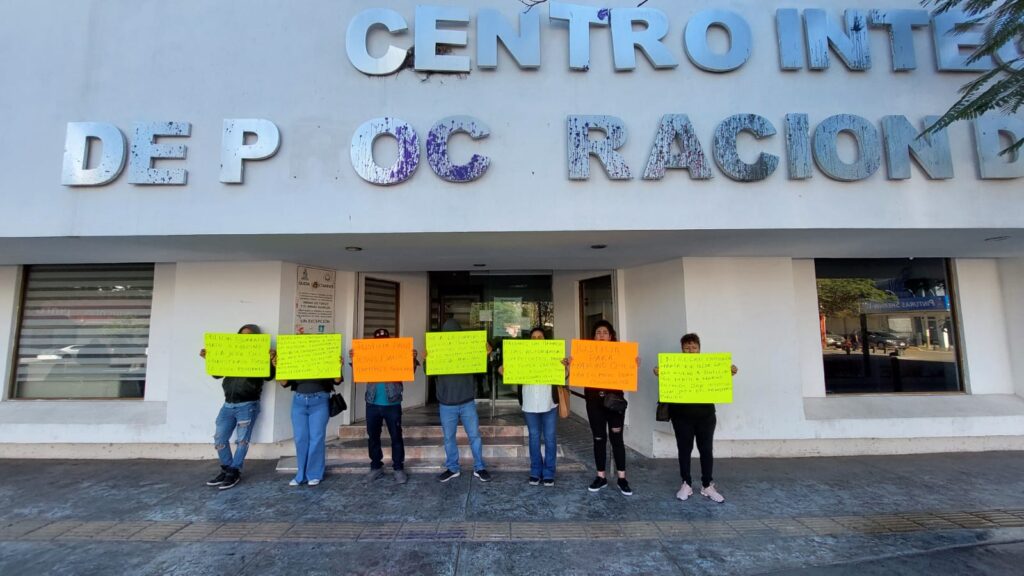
pixel 432 448
pixel 358 431
pixel 287 465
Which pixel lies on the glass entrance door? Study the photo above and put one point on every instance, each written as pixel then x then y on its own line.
pixel 596 303
pixel 506 305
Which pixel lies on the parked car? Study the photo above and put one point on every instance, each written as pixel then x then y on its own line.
pixel 886 340
pixel 834 340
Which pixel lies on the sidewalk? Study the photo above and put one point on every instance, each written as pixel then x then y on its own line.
pixel 931 513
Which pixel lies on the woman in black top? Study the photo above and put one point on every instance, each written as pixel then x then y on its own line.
pixel 310 414
pixel 606 411
pixel 695 421
pixel 237 415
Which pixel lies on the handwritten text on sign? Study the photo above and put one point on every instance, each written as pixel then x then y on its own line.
pixel 382 360
pixel 610 365
pixel 308 356
pixel 534 361
pixel 456 352
pixel 237 354
pixel 695 378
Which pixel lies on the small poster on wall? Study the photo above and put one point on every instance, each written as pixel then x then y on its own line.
pixel 314 301
pixel 507 316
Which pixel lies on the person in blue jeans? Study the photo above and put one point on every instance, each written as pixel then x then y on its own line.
pixel 237 416
pixel 456 395
pixel 310 414
pixel 384 405
pixel 540 410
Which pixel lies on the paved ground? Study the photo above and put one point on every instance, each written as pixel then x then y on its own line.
pixel 936 514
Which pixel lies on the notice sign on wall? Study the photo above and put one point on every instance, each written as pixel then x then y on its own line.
pixel 237 354
pixel 456 352
pixel 695 378
pixel 314 301
pixel 534 361
pixel 308 357
pixel 609 365
pixel 382 360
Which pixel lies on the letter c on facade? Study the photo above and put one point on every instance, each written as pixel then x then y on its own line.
pixel 356 36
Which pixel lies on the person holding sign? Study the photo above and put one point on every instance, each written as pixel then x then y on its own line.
pixel 540 409
pixel 384 405
pixel 695 421
pixel 238 416
pixel 310 414
pixel 606 411
pixel 456 396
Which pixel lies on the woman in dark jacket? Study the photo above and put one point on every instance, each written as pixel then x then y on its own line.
pixel 238 416
pixel 310 414
pixel 606 411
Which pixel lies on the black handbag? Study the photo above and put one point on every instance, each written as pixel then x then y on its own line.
pixel 661 413
pixel 615 403
pixel 336 404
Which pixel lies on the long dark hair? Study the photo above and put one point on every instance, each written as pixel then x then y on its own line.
pixel 606 324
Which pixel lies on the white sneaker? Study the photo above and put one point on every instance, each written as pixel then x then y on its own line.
pixel 314 482
pixel 684 492
pixel 293 482
pixel 713 494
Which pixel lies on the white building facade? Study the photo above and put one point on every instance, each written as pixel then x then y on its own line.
pixel 674 168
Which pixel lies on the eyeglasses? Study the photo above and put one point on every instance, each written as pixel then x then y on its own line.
pixel 382 333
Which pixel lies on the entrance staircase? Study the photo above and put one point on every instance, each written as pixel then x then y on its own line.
pixel 504 439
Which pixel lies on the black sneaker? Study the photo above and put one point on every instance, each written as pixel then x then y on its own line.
pixel 624 487
pixel 217 480
pixel 230 479
pixel 597 484
pixel 534 481
pixel 483 475
pixel 549 482
pixel 448 475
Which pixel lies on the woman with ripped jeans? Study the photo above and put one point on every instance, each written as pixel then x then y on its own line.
pixel 238 416
pixel 606 411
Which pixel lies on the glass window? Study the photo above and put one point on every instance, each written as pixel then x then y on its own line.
pixel 84 331
pixel 887 325
pixel 381 306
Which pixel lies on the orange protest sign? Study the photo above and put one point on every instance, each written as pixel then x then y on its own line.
pixel 382 360
pixel 610 365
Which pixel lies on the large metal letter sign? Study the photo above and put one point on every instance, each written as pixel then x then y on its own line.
pixel 233 149
pixel 408 151
pixel 144 150
pixel 437 149
pixel 76 154
pixel 581 147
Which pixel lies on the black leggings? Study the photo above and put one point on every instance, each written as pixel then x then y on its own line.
pixel 687 427
pixel 603 423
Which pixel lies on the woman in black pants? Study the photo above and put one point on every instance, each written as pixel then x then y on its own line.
pixel 695 421
pixel 606 411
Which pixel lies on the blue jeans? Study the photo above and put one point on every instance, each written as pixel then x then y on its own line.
pixel 309 425
pixel 376 416
pixel 240 419
pixel 450 416
pixel 542 423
